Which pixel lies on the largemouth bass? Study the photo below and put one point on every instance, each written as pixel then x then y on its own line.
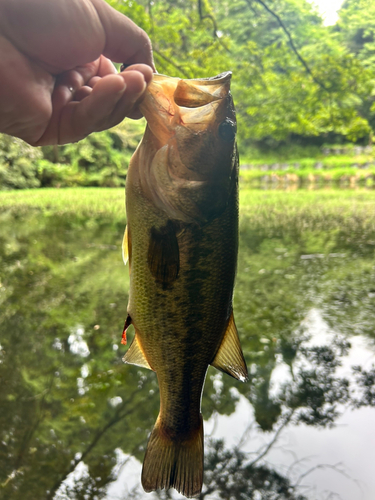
pixel 181 242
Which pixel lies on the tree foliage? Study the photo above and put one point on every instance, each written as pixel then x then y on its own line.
pixel 294 81
pixel 292 76
pixel 100 159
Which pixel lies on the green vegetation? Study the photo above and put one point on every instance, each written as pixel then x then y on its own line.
pixel 347 177
pixel 101 159
pixel 88 202
pixel 265 207
pixel 285 112
pixel 349 170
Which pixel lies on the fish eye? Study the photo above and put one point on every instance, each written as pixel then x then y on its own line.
pixel 227 130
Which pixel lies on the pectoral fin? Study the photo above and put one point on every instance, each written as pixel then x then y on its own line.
pixel 229 358
pixel 125 246
pixel 135 355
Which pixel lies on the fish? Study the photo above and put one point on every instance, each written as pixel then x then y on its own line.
pixel 181 242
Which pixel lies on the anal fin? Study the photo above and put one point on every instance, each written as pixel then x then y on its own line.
pixel 135 355
pixel 229 358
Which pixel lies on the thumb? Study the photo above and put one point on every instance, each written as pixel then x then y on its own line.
pixel 125 41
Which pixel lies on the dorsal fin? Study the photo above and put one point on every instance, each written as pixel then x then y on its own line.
pixel 135 355
pixel 125 246
pixel 229 358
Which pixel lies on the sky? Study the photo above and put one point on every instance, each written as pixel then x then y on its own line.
pixel 328 9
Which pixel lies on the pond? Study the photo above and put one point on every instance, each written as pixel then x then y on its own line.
pixel 74 420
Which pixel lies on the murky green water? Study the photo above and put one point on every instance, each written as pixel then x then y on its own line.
pixel 74 419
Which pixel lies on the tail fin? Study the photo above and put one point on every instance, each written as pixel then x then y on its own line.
pixel 174 464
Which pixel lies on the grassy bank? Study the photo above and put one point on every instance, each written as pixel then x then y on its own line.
pixel 102 159
pixel 343 166
pixel 323 207
pixel 340 177
pixel 88 201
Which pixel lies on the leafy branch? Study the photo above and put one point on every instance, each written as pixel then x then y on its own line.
pixel 213 20
pixel 262 454
pixel 335 467
pixel 171 62
pixel 291 42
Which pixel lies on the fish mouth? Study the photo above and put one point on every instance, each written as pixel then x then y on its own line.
pixel 192 93
pixel 194 103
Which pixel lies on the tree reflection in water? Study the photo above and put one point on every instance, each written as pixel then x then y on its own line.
pixel 66 399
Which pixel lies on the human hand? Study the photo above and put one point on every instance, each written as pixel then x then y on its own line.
pixel 57 81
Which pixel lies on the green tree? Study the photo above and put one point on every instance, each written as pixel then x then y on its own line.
pixel 18 164
pixel 356 27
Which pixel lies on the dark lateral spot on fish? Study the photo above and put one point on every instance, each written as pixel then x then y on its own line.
pixel 164 254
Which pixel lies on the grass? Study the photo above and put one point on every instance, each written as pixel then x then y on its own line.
pixel 312 166
pixel 286 153
pixel 343 154
pixel 90 202
pixel 330 161
pixel 330 200
pixel 340 174
pixel 265 207
pixel 322 211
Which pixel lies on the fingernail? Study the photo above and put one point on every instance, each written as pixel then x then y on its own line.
pixel 143 90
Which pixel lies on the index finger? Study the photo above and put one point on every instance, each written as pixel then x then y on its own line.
pixel 125 41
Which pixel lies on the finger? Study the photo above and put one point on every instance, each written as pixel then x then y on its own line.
pixel 79 76
pixel 106 67
pixel 93 81
pixel 61 97
pixel 109 102
pixel 135 113
pixel 82 93
pixel 142 68
pixel 65 89
pixel 125 41
pixel 128 106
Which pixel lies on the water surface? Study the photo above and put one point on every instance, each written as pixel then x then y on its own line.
pixel 74 419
